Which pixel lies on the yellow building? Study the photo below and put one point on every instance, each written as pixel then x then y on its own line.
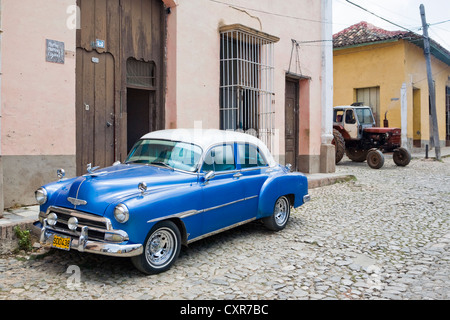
pixel 371 65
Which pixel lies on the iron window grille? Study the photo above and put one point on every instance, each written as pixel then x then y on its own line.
pixel 140 74
pixel 247 82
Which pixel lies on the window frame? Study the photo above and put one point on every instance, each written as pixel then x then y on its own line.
pixel 259 152
pixel 224 144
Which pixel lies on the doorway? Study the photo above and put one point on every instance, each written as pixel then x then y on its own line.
pixel 291 131
pixel 140 114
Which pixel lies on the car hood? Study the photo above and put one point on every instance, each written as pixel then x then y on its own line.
pixel 93 193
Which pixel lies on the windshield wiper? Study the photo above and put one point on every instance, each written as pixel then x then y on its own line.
pixel 161 163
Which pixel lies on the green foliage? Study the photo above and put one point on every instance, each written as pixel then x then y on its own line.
pixel 24 238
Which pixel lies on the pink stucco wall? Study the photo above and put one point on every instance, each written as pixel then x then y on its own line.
pixel 193 60
pixel 38 97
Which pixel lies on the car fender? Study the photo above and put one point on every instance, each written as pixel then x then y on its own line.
pixel 294 184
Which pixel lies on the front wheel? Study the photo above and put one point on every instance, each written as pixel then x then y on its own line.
pixel 375 159
pixel 280 217
pixel 401 157
pixel 161 249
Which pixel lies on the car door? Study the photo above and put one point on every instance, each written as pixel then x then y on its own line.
pixel 253 167
pixel 223 195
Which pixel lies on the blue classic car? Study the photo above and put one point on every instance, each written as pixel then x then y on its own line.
pixel 176 186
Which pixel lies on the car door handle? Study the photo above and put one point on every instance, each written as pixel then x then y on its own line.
pixel 237 175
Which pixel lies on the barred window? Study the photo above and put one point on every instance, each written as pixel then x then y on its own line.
pixel 246 81
pixel 140 74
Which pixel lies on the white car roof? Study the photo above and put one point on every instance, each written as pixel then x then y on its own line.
pixel 205 138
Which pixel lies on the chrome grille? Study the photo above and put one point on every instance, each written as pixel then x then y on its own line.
pixel 97 226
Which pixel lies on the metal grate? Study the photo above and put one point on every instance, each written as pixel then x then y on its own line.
pixel 140 74
pixel 246 84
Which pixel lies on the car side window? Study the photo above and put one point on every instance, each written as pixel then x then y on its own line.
pixel 250 156
pixel 220 158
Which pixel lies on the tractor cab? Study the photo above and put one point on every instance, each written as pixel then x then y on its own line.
pixel 353 120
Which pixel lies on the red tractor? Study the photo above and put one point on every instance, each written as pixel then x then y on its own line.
pixel 355 134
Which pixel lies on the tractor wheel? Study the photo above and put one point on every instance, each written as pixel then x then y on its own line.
pixel 401 157
pixel 375 159
pixel 339 144
pixel 356 155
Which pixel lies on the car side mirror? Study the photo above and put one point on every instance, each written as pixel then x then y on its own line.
pixel 210 175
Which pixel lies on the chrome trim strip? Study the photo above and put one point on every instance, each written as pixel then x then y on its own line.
pixel 78 190
pixel 193 212
pixel 227 204
pixel 180 215
pixel 220 230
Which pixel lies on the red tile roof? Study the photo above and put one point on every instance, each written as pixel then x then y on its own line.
pixel 364 32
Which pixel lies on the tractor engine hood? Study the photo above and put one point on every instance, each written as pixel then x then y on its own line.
pixel 383 130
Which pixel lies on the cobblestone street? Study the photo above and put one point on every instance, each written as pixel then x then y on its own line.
pixel 385 235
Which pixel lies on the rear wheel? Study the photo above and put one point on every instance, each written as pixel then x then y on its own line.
pixel 161 249
pixel 339 144
pixel 401 157
pixel 356 155
pixel 375 159
pixel 280 217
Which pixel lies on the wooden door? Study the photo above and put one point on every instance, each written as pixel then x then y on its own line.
pixel 291 123
pixel 111 33
pixel 95 109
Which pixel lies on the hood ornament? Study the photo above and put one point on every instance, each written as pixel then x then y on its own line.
pixel 90 169
pixel 77 202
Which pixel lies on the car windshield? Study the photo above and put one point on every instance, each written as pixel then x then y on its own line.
pixel 364 115
pixel 173 154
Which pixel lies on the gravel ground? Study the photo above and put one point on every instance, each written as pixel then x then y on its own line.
pixel 385 235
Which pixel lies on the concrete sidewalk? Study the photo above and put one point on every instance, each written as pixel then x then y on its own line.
pixel 419 153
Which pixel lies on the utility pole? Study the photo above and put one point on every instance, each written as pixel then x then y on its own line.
pixel 426 42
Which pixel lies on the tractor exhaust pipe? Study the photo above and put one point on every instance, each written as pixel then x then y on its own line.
pixel 385 121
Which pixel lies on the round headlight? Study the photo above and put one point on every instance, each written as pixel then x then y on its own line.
pixel 121 213
pixel 41 195
pixel 72 223
pixel 52 218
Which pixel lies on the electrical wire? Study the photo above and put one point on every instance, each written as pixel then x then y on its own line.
pixel 267 12
pixel 378 16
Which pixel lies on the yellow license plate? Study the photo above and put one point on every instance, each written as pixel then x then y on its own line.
pixel 61 242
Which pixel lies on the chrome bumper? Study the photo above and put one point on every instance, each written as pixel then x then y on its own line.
pixel 82 244
pixel 306 198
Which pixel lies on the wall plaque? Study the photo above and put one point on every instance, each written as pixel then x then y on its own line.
pixel 55 51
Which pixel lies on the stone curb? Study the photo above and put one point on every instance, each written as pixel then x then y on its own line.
pixel 316 181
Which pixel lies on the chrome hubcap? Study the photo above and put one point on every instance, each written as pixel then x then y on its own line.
pixel 281 211
pixel 161 247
